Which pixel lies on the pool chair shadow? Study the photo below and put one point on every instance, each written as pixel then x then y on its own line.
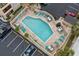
pixel 57 44
pixel 61 39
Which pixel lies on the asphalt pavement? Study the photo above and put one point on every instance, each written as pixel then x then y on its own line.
pixel 14 44
pixel 59 9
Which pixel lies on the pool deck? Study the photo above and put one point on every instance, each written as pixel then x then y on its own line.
pixel 55 34
pixel 52 25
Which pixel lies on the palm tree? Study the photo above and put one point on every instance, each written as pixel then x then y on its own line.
pixel 17 28
pixel 65 52
pixel 74 34
pixel 77 16
pixel 75 29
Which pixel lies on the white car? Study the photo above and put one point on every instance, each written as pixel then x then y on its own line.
pixel 29 51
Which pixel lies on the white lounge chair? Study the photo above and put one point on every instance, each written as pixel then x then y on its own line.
pixel 49 19
pixel 49 47
pixel 59 29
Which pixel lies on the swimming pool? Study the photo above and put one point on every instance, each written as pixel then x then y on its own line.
pixel 38 27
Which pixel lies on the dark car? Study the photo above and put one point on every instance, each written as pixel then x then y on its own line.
pixel 4 28
pixel 3 31
pixel 70 13
pixel 43 4
pixel 30 50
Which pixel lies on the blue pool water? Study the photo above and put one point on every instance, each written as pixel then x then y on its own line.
pixel 38 27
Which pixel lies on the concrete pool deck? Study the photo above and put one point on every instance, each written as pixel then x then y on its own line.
pixel 52 25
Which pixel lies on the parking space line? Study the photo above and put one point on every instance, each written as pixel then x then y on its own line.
pixel 34 52
pixel 21 37
pixel 18 46
pixel 6 36
pixel 15 32
pixel 11 42
pixel 25 49
pixel 73 8
pixel 66 11
pixel 40 52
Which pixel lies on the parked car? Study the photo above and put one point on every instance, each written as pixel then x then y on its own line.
pixel 71 14
pixel 4 28
pixel 43 4
pixel 30 50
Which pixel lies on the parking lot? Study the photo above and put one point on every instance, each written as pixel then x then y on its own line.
pixel 38 53
pixel 59 9
pixel 13 44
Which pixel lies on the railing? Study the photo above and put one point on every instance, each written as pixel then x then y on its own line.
pixel 44 50
pixel 19 16
pixel 17 13
pixel 48 14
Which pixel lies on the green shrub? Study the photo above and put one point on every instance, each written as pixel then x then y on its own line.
pixel 65 52
pixel 17 28
pixel 8 18
pixel 26 35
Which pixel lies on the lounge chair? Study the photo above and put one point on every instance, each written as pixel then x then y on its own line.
pixel 59 29
pixel 61 38
pixel 50 47
pixel 49 18
pixel 56 43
